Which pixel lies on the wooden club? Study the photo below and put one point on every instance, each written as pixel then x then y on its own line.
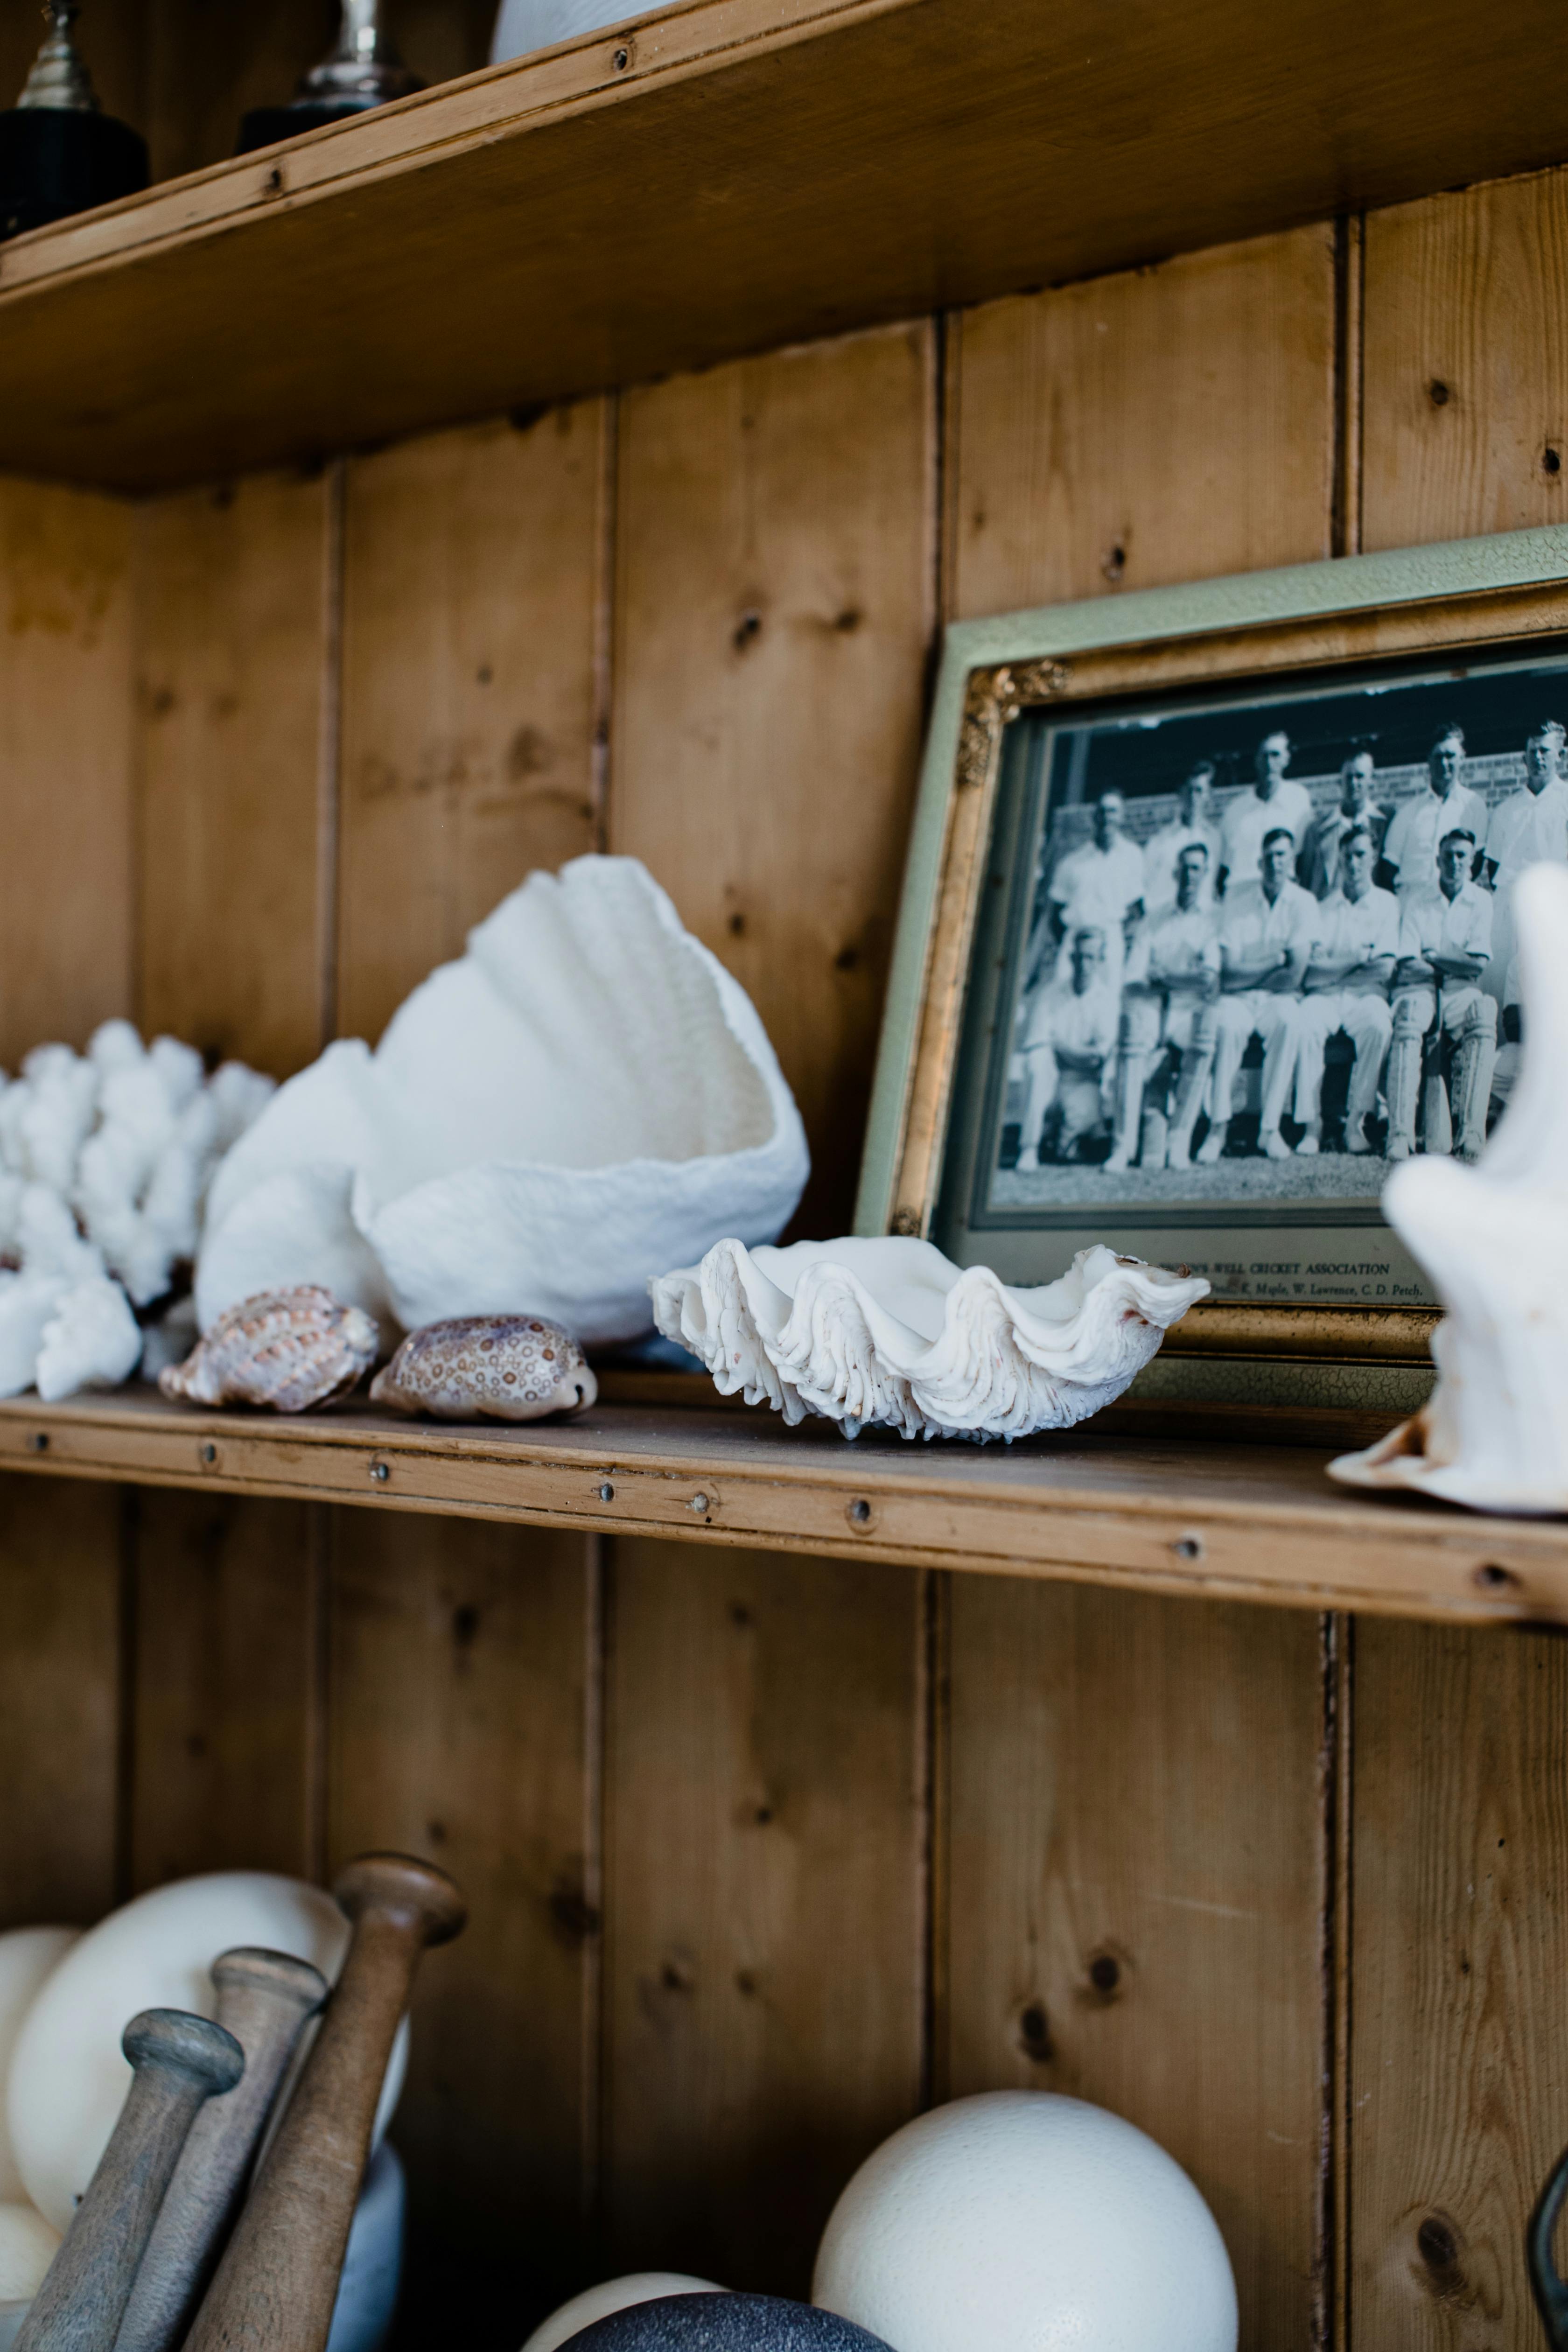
pixel 263 1998
pixel 180 2061
pixel 278 2282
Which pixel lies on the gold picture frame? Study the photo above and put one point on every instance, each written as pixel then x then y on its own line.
pixel 1461 600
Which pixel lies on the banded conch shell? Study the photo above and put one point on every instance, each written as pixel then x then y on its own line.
pixel 286 1349
pixel 1493 1242
pixel 487 1368
pixel 891 1331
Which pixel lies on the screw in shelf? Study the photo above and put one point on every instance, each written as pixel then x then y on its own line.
pixel 1188 1548
pixel 607 1493
pixel 38 1442
pixel 700 1502
pixel 209 1453
pixel 380 1472
pixel 859 1513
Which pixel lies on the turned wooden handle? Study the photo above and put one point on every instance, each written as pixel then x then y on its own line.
pixel 263 1999
pixel 180 2061
pixel 278 2282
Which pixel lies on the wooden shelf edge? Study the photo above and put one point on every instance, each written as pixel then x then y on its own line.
pixel 1216 1520
pixel 714 178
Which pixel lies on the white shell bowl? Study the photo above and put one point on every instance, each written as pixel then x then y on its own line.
pixel 891 1332
pixel 587 1096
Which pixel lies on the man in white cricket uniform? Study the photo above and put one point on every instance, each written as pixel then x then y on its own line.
pixel 1346 987
pixel 1273 802
pixel 1193 822
pixel 1526 826
pixel 1444 946
pixel 1069 1046
pixel 1267 934
pixel 1355 806
pixel 1427 818
pixel 1096 887
pixel 1173 975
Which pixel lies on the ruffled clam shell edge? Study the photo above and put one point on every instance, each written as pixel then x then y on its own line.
pixel 999 1368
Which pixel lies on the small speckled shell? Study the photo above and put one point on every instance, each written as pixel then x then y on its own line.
pixel 286 1349
pixel 487 1367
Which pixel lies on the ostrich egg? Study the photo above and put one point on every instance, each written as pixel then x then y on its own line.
pixel 68 2080
pixel 28 1955
pixel 1027 2222
pixel 611 2296
pixel 26 2249
pixel 725 2323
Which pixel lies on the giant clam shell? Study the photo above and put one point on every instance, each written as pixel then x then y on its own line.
pixel 891 1331
pixel 286 1349
pixel 487 1368
pixel 1493 1240
pixel 587 1096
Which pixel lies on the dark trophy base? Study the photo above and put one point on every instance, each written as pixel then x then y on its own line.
pixel 265 125
pixel 54 163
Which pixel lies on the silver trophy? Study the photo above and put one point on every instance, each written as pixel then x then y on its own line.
pixel 363 70
pixel 59 82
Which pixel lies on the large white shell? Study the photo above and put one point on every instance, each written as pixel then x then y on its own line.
pixel 1493 1240
pixel 587 1096
pixel 892 1331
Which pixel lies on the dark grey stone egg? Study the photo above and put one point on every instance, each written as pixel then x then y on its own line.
pixel 723 2323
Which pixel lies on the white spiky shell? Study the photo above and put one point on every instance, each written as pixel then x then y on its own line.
pixel 891 1331
pixel 1494 1241
pixel 487 1368
pixel 587 1096
pixel 288 1350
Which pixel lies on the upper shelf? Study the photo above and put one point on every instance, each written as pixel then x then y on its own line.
pixel 1247 1522
pixel 723 176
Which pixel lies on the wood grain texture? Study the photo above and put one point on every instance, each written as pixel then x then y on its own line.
pixel 471 590
pixel 1167 424
pixel 234 629
pixel 1467 363
pixel 460 1680
pixel 775 589
pixel 60 1579
pixel 1459 2077
pixel 1132 1895
pixel 226 1673
pixel 764 1968
pixel 66 758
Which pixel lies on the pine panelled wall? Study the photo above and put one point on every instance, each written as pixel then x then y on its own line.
pixel 764 1853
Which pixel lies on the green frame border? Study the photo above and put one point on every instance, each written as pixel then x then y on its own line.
pixel 1349 583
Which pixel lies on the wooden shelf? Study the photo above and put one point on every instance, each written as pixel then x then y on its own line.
pixel 722 177
pixel 1250 1522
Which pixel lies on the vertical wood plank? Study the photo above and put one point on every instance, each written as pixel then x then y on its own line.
pixel 66 758
pixel 458 1682
pixel 1162 424
pixel 1134 1892
pixel 1467 363
pixel 774 602
pixel 1460 2076
pixel 60 1581
pixel 234 624
pixel 471 578
pixel 225 1655
pixel 763 1868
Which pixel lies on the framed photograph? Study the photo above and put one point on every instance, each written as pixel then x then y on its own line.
pixel 1207 922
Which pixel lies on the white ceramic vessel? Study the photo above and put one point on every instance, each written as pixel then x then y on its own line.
pixel 1494 1241
pixel 1021 2222
pixel 68 2079
pixel 27 1956
pixel 525 26
pixel 587 1096
pixel 611 2296
pixel 891 1331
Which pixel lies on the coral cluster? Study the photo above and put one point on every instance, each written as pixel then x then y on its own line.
pixel 105 1161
